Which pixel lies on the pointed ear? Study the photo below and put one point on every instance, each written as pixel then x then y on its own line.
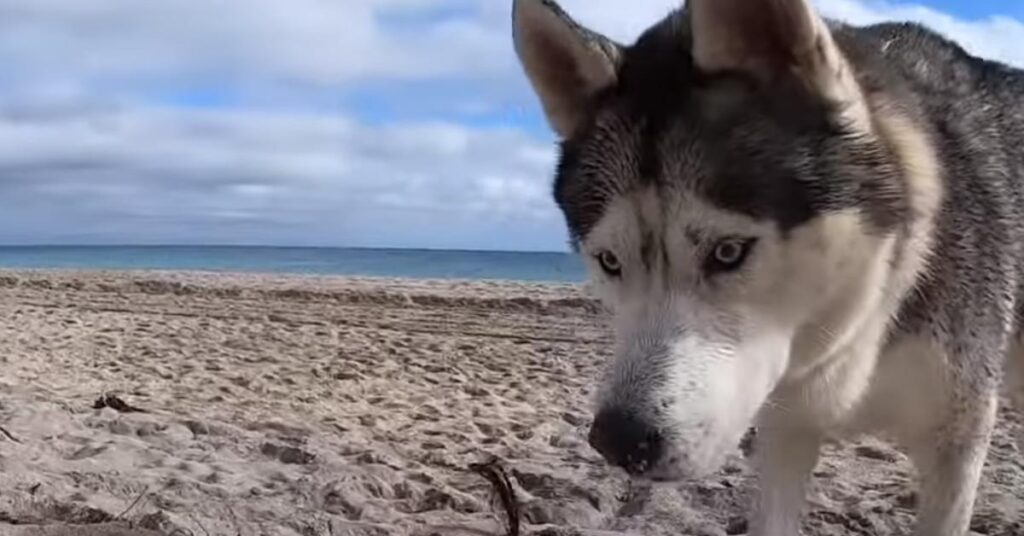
pixel 769 39
pixel 566 63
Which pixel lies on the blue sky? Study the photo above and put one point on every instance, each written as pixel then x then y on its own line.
pixel 399 123
pixel 979 9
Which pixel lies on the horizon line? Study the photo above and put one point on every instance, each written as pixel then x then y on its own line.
pixel 270 246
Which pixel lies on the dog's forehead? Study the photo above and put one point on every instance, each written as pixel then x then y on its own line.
pixel 669 215
pixel 749 163
pixel 669 159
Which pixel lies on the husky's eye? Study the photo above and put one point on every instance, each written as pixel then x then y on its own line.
pixel 610 263
pixel 729 255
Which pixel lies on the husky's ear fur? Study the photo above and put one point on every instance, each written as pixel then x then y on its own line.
pixel 770 39
pixel 566 63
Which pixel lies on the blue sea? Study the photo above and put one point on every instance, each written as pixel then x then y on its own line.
pixel 404 263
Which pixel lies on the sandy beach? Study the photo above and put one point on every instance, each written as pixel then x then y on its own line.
pixel 328 406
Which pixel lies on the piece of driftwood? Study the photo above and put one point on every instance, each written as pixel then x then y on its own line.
pixel 115 403
pixel 498 477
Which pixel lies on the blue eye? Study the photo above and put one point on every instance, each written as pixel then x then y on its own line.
pixel 609 263
pixel 729 255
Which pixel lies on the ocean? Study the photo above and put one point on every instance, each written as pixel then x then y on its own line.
pixel 404 263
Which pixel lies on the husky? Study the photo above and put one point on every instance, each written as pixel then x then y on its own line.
pixel 800 225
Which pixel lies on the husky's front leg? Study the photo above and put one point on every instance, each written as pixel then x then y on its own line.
pixel 784 456
pixel 950 463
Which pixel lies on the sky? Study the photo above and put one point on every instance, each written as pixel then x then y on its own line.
pixel 373 123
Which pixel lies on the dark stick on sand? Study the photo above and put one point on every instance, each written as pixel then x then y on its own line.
pixel 116 404
pixel 132 505
pixel 8 434
pixel 496 475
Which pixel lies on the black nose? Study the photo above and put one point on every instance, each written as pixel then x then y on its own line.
pixel 626 441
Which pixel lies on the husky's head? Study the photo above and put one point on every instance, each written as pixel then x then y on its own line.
pixel 736 200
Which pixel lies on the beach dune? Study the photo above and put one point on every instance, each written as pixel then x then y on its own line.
pixel 335 406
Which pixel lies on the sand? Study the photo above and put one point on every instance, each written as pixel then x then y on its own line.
pixel 330 406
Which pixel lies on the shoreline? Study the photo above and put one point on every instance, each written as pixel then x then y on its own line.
pixel 544 298
pixel 278 278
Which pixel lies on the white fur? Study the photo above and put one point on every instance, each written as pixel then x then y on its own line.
pixel 718 351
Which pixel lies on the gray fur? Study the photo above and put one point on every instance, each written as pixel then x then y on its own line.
pixel 974 109
pixel 773 150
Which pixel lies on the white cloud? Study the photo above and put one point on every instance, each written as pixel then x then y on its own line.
pixel 312 41
pixel 996 37
pixel 88 154
pixel 206 168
